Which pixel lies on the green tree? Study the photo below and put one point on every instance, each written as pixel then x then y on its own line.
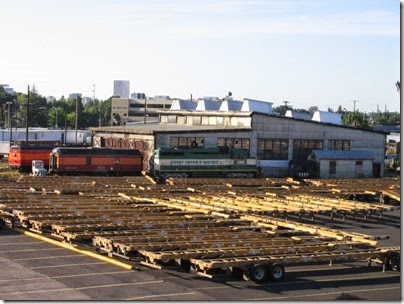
pixel 355 119
pixel 105 112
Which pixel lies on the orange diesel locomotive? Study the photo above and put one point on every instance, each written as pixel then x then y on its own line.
pixel 21 157
pixel 95 161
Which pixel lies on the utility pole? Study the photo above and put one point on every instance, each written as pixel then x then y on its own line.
pixel 93 94
pixel 76 120
pixel 354 105
pixel 9 103
pixel 27 120
pixel 145 108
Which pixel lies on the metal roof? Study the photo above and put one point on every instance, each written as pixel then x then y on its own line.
pixel 299 115
pixel 343 154
pixel 253 105
pixel 182 104
pixel 167 128
pixel 322 116
pixel 208 105
pixel 231 105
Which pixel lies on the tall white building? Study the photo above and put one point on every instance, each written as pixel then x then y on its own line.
pixel 121 88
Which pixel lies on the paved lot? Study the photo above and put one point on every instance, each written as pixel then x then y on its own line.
pixel 32 269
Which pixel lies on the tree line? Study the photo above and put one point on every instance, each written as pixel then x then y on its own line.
pixel 56 114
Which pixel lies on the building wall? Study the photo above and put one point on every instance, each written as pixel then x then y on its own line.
pixel 120 108
pixel 272 127
pixel 133 110
pixel 346 169
pixel 121 88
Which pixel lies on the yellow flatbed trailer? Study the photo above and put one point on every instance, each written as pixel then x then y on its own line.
pixel 259 268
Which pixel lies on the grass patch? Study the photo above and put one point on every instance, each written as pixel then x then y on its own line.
pixel 7 174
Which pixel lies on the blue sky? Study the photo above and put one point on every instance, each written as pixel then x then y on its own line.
pixel 308 52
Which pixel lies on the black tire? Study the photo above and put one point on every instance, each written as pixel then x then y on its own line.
pixel 259 273
pixel 166 262
pixel 276 272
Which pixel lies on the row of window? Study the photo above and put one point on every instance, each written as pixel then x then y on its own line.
pixel 271 149
pixel 206 120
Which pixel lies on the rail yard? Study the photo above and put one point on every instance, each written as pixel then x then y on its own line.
pixel 249 231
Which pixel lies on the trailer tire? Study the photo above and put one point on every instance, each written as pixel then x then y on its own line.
pixel 393 262
pixel 276 272
pixel 259 273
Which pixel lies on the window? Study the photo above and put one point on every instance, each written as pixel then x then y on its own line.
pixel 196 120
pixel 339 145
pixel 163 119
pixel 332 167
pixel 303 147
pixel 275 149
pixel 186 142
pixel 239 143
pixel 205 120
pixel 172 119
pixel 181 120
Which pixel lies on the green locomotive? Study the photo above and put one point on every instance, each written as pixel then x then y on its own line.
pixel 198 162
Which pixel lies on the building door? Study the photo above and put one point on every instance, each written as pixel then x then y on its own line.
pixel 332 169
pixel 359 169
pixel 376 170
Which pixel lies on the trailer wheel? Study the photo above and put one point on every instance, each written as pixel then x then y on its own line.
pixel 276 272
pixel 393 262
pixel 259 273
pixel 166 262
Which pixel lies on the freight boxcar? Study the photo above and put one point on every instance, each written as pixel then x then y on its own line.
pixel 21 157
pixel 95 161
pixel 188 162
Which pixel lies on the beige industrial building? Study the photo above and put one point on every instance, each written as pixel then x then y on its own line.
pixel 127 110
pixel 273 140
